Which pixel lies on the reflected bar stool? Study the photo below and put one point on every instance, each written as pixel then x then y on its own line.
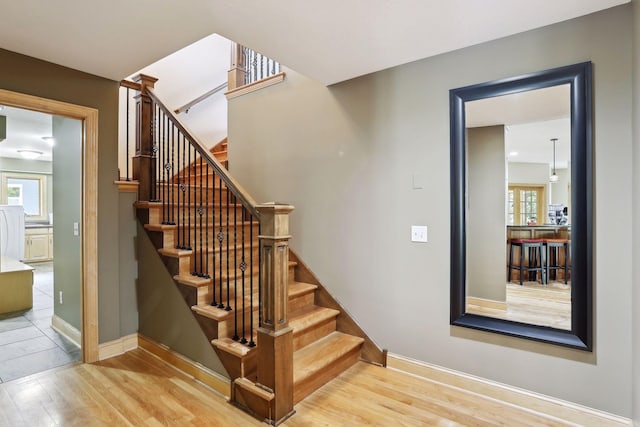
pixel 552 249
pixel 536 259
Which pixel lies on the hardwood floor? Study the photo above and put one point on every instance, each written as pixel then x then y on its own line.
pixel 545 305
pixel 138 389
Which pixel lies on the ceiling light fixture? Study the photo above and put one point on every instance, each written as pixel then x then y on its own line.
pixel 29 154
pixel 513 153
pixel 49 140
pixel 554 176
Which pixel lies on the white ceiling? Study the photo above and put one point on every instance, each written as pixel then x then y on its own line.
pixel 531 120
pixel 25 130
pixel 330 41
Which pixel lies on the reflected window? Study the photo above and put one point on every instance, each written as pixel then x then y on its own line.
pixel 525 205
pixel 27 190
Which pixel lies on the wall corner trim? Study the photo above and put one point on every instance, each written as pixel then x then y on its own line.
pixel 117 347
pixel 70 332
pixel 545 406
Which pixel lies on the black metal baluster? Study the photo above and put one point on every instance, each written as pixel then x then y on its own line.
pixel 174 184
pixel 261 67
pixel 220 239
pixel 154 153
pixel 251 342
pixel 200 212
pixel 206 220
pixel 183 186
pixel 255 66
pixel 214 302
pixel 177 178
pixel 194 230
pixel 189 190
pixel 259 278
pixel 235 270
pixel 127 141
pixel 165 155
pixel 228 307
pixel 243 267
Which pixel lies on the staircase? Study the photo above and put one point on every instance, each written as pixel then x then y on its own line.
pixel 208 239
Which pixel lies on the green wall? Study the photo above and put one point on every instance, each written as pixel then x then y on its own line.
pixel 164 316
pixel 67 210
pixel 31 76
pixel 344 157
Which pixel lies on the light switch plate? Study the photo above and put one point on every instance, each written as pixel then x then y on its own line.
pixel 76 229
pixel 419 233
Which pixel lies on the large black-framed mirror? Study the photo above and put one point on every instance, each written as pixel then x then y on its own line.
pixel 555 238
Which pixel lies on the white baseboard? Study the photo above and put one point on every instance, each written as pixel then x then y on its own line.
pixel 61 326
pixel 550 407
pixel 117 347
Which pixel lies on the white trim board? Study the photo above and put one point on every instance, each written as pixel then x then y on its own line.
pixel 65 329
pixel 117 347
pixel 547 406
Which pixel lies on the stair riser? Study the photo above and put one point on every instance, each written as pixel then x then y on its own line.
pixel 217 212
pixel 304 388
pixel 312 334
pixel 299 302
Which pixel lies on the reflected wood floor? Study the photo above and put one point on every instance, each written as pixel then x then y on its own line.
pixel 545 305
pixel 138 389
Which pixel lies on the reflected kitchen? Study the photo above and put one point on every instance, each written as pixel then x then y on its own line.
pixel 519 207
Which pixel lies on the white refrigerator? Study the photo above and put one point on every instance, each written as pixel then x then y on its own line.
pixel 12 232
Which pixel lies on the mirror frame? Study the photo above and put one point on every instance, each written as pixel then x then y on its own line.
pixel 578 76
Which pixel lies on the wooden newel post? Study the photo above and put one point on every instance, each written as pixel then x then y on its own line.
pixel 236 74
pixel 143 165
pixel 275 337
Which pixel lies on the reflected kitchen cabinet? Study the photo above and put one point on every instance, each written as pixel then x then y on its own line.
pixel 38 245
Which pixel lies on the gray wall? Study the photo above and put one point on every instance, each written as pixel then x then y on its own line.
pixel 486 224
pixel 31 76
pixel 158 296
pixel 636 214
pixel 67 210
pixel 344 155
pixel 127 260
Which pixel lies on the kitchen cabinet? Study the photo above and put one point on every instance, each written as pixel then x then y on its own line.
pixel 38 245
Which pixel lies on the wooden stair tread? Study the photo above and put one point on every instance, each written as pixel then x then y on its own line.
pixel 310 317
pixel 191 280
pixel 174 252
pixel 255 389
pixel 300 288
pixel 160 227
pixel 315 357
pixel 233 347
pixel 211 312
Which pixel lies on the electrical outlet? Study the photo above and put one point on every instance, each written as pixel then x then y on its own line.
pixel 60 296
pixel 419 233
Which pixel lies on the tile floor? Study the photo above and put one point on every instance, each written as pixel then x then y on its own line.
pixel 28 344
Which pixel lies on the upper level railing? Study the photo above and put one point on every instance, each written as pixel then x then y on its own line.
pixel 248 66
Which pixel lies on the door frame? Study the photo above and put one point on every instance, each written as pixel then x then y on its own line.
pixel 89 286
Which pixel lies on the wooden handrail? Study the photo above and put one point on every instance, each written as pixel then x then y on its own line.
pixel 131 85
pixel 246 200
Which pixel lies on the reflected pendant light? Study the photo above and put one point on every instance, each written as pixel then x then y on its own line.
pixel 554 176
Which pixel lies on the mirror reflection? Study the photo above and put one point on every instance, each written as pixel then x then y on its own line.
pixel 518 160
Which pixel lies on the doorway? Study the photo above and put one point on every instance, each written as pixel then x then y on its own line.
pixel 88 180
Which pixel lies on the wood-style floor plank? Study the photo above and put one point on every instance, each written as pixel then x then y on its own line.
pixel 138 389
